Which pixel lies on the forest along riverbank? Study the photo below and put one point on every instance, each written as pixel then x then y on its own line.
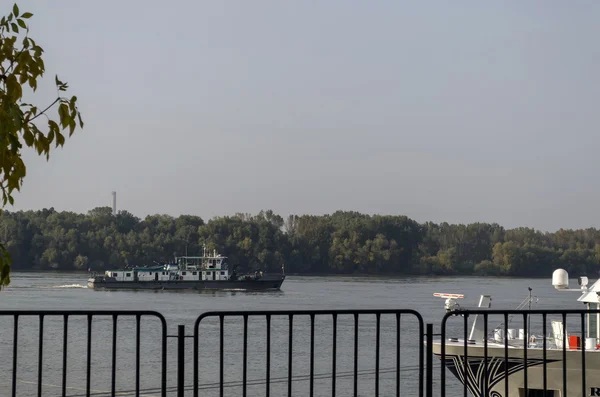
pixel 341 243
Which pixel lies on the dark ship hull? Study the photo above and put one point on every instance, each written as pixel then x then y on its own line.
pixel 262 284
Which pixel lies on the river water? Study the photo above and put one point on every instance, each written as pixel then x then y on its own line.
pixel 67 291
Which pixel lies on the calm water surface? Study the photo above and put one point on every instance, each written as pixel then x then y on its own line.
pixel 66 291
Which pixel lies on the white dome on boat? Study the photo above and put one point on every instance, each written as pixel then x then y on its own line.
pixel 560 279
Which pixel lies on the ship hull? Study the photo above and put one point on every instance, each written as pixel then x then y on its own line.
pixel 497 368
pixel 239 285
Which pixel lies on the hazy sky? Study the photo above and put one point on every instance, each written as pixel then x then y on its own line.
pixel 456 111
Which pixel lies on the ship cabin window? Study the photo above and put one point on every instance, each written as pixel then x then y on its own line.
pixel 194 273
pixel 214 262
pixel 128 275
pixel 163 273
pixel 537 393
pixel 222 273
pixel 114 274
pixel 183 273
pixel 151 273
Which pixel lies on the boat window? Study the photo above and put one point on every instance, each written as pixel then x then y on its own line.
pixel 150 273
pixel 128 274
pixel 114 275
pixel 222 273
pixel 537 393
pixel 194 273
pixel 183 273
pixel 163 273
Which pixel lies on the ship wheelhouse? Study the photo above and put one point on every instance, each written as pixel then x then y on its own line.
pixel 205 267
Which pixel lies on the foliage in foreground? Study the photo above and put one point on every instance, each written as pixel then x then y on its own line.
pixel 22 65
pixel 343 242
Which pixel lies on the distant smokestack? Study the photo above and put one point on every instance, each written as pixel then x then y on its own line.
pixel 114 203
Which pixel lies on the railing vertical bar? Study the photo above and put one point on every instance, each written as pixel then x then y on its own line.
pixel 506 354
pixel 355 354
pixel 221 354
pixel 564 329
pixel 377 347
pixel 290 341
pixel 89 356
pixel 398 315
pixel 421 358
pixel 268 375
pixel 114 356
pixel 583 336
pixel 485 356
pixel 429 377
pixel 525 343
pixel 180 360
pixel 465 354
pixel 312 355
pixel 245 362
pixel 334 358
pixel 195 360
pixel 163 374
pixel 65 344
pixel 544 354
pixel 443 359
pixel 41 355
pixel 137 355
pixel 15 352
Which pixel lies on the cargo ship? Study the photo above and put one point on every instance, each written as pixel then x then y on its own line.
pixel 206 272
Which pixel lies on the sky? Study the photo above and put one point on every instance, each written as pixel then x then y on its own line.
pixel 463 111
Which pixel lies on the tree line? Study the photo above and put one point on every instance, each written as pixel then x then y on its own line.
pixel 341 243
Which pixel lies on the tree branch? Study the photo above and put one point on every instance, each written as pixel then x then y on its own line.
pixel 44 111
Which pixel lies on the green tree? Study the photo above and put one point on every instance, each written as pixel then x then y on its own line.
pixel 21 65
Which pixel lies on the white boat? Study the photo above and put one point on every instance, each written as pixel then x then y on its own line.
pixel 206 272
pixel 516 358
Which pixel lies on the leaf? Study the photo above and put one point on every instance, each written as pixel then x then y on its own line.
pixel 26 15
pixel 15 28
pixel 33 83
pixel 63 113
pixel 53 126
pixel 60 139
pixel 16 10
pixel 22 23
pixel 72 125
pixel 80 121
pixel 23 78
pixel 28 137
pixel 13 88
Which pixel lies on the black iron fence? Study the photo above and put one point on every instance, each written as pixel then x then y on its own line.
pixel 333 336
pixel 305 353
pixel 514 353
pixel 59 358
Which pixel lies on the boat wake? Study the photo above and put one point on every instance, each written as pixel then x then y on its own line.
pixel 70 286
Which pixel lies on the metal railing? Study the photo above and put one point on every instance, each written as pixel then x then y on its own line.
pixel 326 347
pixel 334 315
pixel 89 315
pixel 481 374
